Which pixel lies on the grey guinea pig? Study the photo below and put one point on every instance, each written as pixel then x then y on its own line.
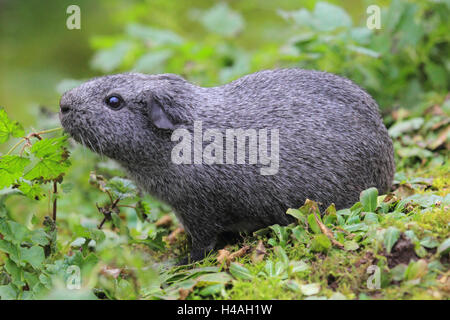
pixel 330 144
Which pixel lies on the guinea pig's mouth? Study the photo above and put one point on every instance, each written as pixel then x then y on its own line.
pixel 83 137
pixel 87 141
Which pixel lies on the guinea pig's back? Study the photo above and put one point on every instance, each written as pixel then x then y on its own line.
pixel 333 143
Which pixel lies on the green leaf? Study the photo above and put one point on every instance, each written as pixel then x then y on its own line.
pixel 107 60
pixel 281 234
pixel 351 245
pixel 320 243
pixel 300 234
pixel 211 290
pixel 18 232
pixel 222 20
pixel 368 199
pixel 424 200
pixel 240 272
pixel 52 156
pixel 214 278
pixel 10 249
pixel 338 296
pixel 45 280
pixel 9 128
pixel 121 188
pixel 391 236
pixel 444 248
pixel 310 289
pixel 11 169
pixel 313 224
pixel 292 285
pixel 153 62
pixel 398 272
pixel 370 218
pixel 412 236
pixel 365 51
pixel 31 279
pixel 297 214
pixel 325 17
pixel 405 126
pixel 361 35
pixel 328 17
pixel 420 251
pixel 97 235
pixel 153 35
pixel 39 237
pixel 67 187
pixel 274 269
pixel 416 270
pixel 429 242
pixel 49 148
pixel 281 254
pixel 298 266
pixel 32 191
pixel 34 256
pixel 46 169
pixel 15 272
pixel 143 210
pixel 330 216
pixel 300 17
pixel 78 242
pixel 411 152
pixel 155 242
pixel 8 292
pixel 356 227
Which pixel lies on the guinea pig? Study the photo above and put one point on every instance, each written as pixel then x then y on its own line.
pixel 234 158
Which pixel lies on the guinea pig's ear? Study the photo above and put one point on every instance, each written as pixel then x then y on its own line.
pixel 159 117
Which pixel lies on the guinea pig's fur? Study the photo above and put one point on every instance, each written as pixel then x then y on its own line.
pixel 332 144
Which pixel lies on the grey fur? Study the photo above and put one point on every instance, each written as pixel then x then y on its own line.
pixel 333 144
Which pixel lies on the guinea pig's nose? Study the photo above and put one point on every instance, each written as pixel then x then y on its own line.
pixel 64 108
pixel 64 103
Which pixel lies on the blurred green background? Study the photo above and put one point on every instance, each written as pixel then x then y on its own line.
pixel 212 43
pixel 405 66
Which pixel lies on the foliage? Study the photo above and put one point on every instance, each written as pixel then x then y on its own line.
pixel 396 64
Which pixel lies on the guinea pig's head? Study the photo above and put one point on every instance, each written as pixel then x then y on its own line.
pixel 122 116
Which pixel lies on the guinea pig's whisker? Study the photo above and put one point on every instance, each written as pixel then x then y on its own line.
pixel 90 143
pixel 83 144
pixel 99 148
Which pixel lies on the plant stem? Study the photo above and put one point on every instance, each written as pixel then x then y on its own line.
pixel 55 194
pixel 33 134
pixel 101 223
pixel 126 206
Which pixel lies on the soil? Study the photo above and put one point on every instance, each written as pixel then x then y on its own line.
pixel 367 259
pixel 332 282
pixel 402 252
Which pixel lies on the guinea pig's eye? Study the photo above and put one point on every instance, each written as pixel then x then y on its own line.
pixel 114 101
